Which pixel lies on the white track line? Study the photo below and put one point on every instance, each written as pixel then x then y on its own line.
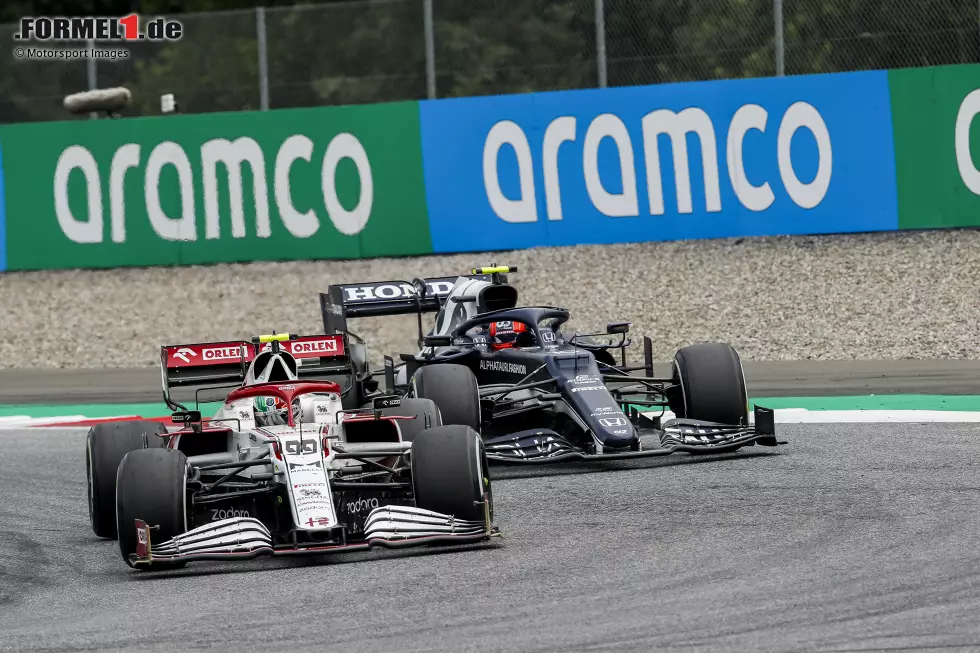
pixel 782 416
pixel 804 416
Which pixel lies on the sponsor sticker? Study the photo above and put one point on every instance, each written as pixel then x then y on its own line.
pixel 230 513
pixel 589 388
pixel 183 353
pixel 386 291
pixel 314 347
pixel 503 366
pixel 613 421
pixel 297 468
pixel 321 411
pixel 361 505
pixel 221 353
pixel 317 521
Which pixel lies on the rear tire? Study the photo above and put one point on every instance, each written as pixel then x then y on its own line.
pixel 450 472
pixel 106 446
pixel 151 486
pixel 712 385
pixel 420 409
pixel 454 390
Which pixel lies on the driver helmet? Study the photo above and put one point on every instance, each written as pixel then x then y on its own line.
pixel 270 411
pixel 503 335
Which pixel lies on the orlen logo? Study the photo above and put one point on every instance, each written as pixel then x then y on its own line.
pixel 315 347
pixel 221 353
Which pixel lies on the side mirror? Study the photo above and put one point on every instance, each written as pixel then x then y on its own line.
pixel 437 341
pixel 618 327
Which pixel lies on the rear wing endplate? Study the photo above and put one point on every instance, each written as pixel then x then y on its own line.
pixel 378 298
pixel 214 363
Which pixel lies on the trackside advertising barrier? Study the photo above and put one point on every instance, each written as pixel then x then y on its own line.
pixel 797 155
pixel 851 152
pixel 340 182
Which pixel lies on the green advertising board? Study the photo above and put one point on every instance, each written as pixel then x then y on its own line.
pixel 936 124
pixel 324 183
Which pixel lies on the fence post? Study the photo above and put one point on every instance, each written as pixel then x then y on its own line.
pixel 430 50
pixel 92 73
pixel 777 17
pixel 260 36
pixel 600 41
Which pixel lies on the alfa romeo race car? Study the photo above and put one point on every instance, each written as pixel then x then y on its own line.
pixel 282 467
pixel 540 395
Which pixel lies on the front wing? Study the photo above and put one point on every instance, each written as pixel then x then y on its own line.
pixel 243 538
pixel 676 436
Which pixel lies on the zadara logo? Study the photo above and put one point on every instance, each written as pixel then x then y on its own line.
pixel 227 514
pixel 361 505
pixel 217 156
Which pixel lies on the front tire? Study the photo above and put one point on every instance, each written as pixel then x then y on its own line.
pixel 151 486
pixel 711 384
pixel 105 447
pixel 450 472
pixel 454 390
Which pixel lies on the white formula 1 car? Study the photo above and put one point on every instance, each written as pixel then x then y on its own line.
pixel 282 468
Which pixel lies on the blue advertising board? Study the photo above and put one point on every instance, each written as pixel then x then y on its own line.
pixel 774 156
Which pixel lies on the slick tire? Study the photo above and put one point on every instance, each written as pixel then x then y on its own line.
pixel 419 409
pixel 454 390
pixel 151 486
pixel 711 384
pixel 450 473
pixel 105 447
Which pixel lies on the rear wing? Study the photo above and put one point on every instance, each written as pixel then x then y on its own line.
pixel 377 298
pixel 215 363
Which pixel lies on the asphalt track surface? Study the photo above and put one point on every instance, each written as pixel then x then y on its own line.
pixel 850 538
pixel 764 379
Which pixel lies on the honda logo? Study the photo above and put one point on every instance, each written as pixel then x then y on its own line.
pixel 613 421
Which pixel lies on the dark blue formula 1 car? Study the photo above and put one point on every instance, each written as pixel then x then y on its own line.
pixel 538 395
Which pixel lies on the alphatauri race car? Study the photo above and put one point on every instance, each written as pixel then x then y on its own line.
pixel 282 468
pixel 538 395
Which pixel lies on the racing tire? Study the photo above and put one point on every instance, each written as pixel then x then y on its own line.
pixel 450 472
pixel 454 390
pixel 418 408
pixel 711 384
pixel 105 447
pixel 152 486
